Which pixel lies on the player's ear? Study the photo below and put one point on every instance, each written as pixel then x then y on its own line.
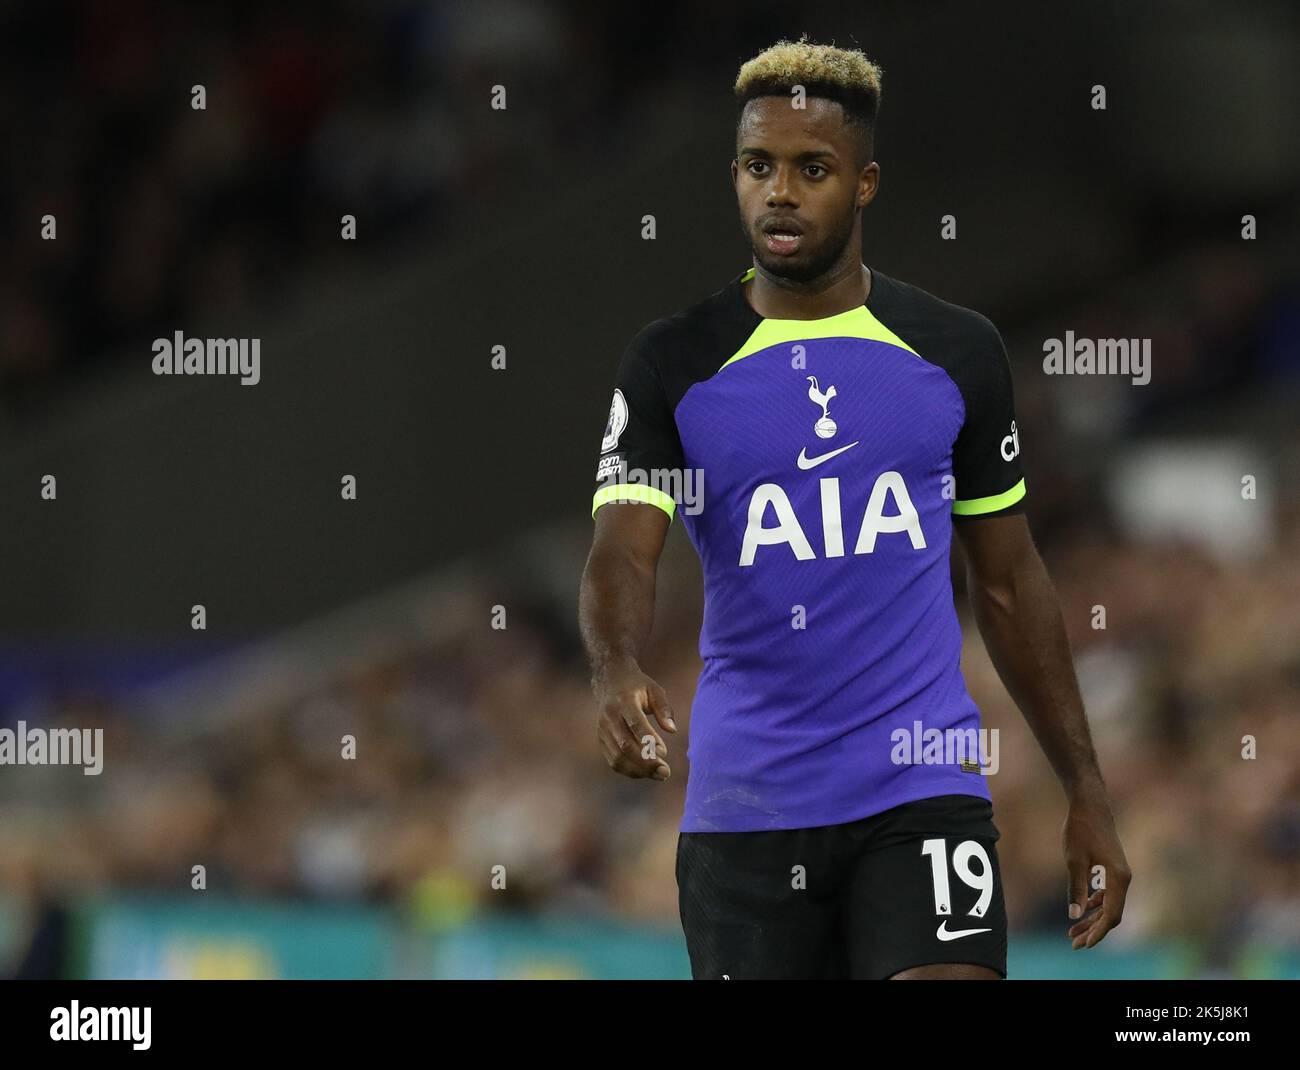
pixel 868 184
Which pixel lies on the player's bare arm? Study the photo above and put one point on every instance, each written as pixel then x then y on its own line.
pixel 1018 615
pixel 615 613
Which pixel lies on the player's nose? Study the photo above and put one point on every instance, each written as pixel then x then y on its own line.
pixel 780 189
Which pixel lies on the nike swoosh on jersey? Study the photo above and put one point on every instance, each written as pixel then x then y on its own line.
pixel 805 462
pixel 944 934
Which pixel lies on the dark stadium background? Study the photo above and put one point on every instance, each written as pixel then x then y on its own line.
pixel 522 228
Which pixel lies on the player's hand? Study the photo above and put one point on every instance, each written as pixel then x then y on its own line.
pixel 1090 839
pixel 631 744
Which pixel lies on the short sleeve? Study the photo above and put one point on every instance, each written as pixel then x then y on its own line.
pixel 641 452
pixel 989 480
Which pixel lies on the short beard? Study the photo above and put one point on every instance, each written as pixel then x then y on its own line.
pixel 808 270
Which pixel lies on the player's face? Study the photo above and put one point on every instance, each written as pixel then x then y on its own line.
pixel 797 185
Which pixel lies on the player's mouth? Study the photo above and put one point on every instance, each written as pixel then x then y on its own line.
pixel 782 243
pixel 783 238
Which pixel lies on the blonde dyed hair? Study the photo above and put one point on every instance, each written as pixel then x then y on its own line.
pixel 841 74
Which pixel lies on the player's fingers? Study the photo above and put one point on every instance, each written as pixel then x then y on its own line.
pixel 1083 927
pixel 652 752
pixel 630 761
pixel 618 747
pixel 650 746
pixel 1121 878
pixel 1077 889
pixel 660 706
pixel 626 755
pixel 608 742
pixel 1096 929
pixel 1083 932
pixel 1094 932
pixel 607 748
pixel 1112 911
pixel 615 743
pixel 615 718
pixel 638 724
pixel 1095 900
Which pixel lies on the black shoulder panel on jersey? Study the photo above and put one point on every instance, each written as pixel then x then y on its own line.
pixel 986 456
pixel 661 362
pixel 695 343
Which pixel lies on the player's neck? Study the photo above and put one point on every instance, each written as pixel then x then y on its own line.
pixel 774 298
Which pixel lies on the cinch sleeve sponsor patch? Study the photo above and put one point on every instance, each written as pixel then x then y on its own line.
pixel 640 445
pixel 986 455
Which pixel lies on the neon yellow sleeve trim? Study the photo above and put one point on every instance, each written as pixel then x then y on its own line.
pixel 634 492
pixel 991 504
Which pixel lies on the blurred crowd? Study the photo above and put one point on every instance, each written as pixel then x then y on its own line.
pixel 481 752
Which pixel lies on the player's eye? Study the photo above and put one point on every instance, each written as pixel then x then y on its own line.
pixel 754 163
pixel 818 166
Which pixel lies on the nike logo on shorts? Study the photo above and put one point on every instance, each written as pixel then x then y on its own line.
pixel 944 934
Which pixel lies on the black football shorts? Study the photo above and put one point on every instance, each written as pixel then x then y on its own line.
pixel 915 885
